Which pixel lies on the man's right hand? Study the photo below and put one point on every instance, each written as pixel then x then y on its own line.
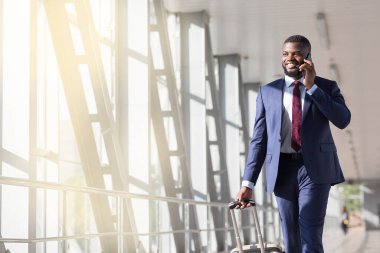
pixel 244 193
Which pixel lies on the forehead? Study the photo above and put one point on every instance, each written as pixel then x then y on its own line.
pixel 292 47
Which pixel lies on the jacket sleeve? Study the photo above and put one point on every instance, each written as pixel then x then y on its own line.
pixel 258 143
pixel 332 105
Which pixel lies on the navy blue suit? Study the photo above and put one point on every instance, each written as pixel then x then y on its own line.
pixel 299 182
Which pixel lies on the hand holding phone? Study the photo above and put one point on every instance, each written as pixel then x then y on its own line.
pixel 308 71
pixel 308 57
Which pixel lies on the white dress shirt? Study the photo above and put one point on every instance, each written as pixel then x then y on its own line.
pixel 286 124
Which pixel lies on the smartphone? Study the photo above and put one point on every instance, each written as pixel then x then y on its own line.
pixel 308 57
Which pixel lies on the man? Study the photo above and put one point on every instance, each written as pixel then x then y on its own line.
pixel 292 134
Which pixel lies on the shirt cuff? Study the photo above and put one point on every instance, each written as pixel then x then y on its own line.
pixel 248 184
pixel 312 89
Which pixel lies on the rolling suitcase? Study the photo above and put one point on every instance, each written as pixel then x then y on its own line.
pixel 261 247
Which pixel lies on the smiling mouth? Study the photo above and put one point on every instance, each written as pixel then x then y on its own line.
pixel 292 65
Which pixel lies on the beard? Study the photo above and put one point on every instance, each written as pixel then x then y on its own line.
pixel 294 73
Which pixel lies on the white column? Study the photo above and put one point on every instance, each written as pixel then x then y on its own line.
pixel 134 105
pixel 230 110
pixel 193 87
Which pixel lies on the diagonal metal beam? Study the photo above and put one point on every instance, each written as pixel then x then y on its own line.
pixel 159 26
pixel 68 63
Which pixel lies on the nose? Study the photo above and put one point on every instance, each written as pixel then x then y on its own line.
pixel 289 57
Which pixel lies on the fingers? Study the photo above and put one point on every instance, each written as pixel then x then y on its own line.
pixel 247 204
pixel 306 66
pixel 243 204
pixel 309 73
pixel 308 62
pixel 239 197
pixel 243 194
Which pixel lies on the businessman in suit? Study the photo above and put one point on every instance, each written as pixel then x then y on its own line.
pixel 292 135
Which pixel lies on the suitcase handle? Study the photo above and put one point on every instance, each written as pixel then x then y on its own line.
pixel 234 204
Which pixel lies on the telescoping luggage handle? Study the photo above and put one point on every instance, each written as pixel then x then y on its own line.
pixel 232 205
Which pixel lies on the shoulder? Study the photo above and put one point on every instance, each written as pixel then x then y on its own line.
pixel 326 84
pixel 279 83
pixel 323 81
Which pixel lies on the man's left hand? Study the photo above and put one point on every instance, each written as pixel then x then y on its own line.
pixel 309 73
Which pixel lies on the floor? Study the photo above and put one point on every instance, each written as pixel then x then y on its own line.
pixel 357 240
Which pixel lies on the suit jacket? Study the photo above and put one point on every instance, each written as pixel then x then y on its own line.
pixel 318 148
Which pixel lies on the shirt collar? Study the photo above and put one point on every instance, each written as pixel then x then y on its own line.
pixel 289 80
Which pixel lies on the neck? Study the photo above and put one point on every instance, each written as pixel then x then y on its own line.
pixel 295 77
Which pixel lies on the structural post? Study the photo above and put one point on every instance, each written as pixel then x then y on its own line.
pixel 218 179
pixel 138 111
pixel 228 68
pixel 74 66
pixel 2 247
pixel 133 108
pixel 169 130
pixel 193 87
pixel 32 170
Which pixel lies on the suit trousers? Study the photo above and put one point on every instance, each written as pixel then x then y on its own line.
pixel 302 205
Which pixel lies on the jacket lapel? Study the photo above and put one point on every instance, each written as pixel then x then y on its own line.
pixel 277 100
pixel 278 97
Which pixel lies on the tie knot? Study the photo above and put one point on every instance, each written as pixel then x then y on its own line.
pixel 296 83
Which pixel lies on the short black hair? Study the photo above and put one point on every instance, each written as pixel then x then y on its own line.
pixel 305 43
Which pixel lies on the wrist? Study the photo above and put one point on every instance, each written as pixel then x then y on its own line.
pixel 248 184
pixel 308 85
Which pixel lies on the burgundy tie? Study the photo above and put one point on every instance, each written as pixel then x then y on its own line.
pixel 296 117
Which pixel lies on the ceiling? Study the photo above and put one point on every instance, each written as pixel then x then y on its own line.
pixel 255 29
